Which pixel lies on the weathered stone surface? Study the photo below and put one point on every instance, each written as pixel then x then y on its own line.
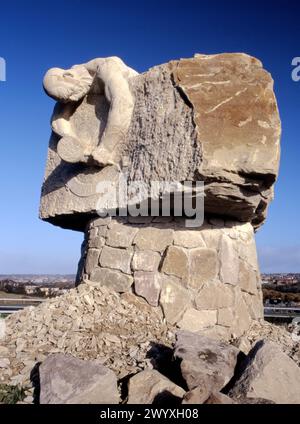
pixel 248 279
pixel 237 81
pixel 113 279
pixel 100 222
pixel 141 304
pixel 226 134
pixel 218 332
pixel 150 386
pixel 96 242
pixel 176 262
pixel 215 295
pixel 194 320
pixel 116 259
pixel 205 362
pixel 255 305
pixel 68 380
pixel 247 248
pixel 174 299
pixel 2 329
pixel 196 396
pixel 219 399
pixel 120 235
pixel 92 259
pixel 269 374
pixel 237 157
pixel 153 239
pixel 253 401
pixel 188 238
pixel 226 317
pixel 243 318
pixel 147 285
pixel 229 260
pixel 203 266
pixel 145 260
pixel 4 362
pixel 211 236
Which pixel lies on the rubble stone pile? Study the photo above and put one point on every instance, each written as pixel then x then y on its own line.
pixel 88 323
pixel 125 335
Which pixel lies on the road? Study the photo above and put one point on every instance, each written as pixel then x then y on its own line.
pixel 11 305
pixel 281 312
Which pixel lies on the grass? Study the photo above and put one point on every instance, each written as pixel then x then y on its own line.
pixel 11 394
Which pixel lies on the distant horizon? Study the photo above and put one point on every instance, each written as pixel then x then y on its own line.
pixel 74 275
pixel 36 36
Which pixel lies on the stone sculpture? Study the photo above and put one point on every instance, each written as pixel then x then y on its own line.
pixel 111 76
pixel 209 118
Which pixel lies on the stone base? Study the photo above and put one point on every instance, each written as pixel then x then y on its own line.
pixel 202 279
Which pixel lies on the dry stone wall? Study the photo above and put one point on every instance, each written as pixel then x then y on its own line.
pixel 205 278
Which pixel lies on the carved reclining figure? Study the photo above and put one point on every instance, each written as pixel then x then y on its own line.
pixel 69 86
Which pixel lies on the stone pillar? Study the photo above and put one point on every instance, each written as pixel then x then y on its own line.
pixel 202 279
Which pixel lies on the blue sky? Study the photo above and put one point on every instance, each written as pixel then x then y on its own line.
pixel 35 36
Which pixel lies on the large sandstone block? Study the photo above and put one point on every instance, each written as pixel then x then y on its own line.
pixel 174 298
pixel 210 118
pixel 194 320
pixel 115 258
pixel 145 260
pixel 269 374
pixel 150 386
pixel 153 239
pixel 147 285
pixel 68 380
pixel 203 267
pixel 205 362
pixel 114 279
pixel 176 262
pixel 215 296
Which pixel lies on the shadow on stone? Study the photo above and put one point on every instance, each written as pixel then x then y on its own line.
pixel 162 360
pixel 123 387
pixel 166 398
pixel 35 381
pixel 241 364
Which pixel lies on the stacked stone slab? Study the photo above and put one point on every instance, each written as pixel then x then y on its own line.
pixel 209 118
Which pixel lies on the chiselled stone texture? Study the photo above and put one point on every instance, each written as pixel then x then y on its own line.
pixel 238 127
pixel 182 272
pixel 210 118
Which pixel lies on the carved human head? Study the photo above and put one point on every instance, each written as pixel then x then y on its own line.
pixel 67 85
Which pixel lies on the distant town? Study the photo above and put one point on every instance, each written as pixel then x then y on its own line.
pixel 279 289
pixel 35 285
